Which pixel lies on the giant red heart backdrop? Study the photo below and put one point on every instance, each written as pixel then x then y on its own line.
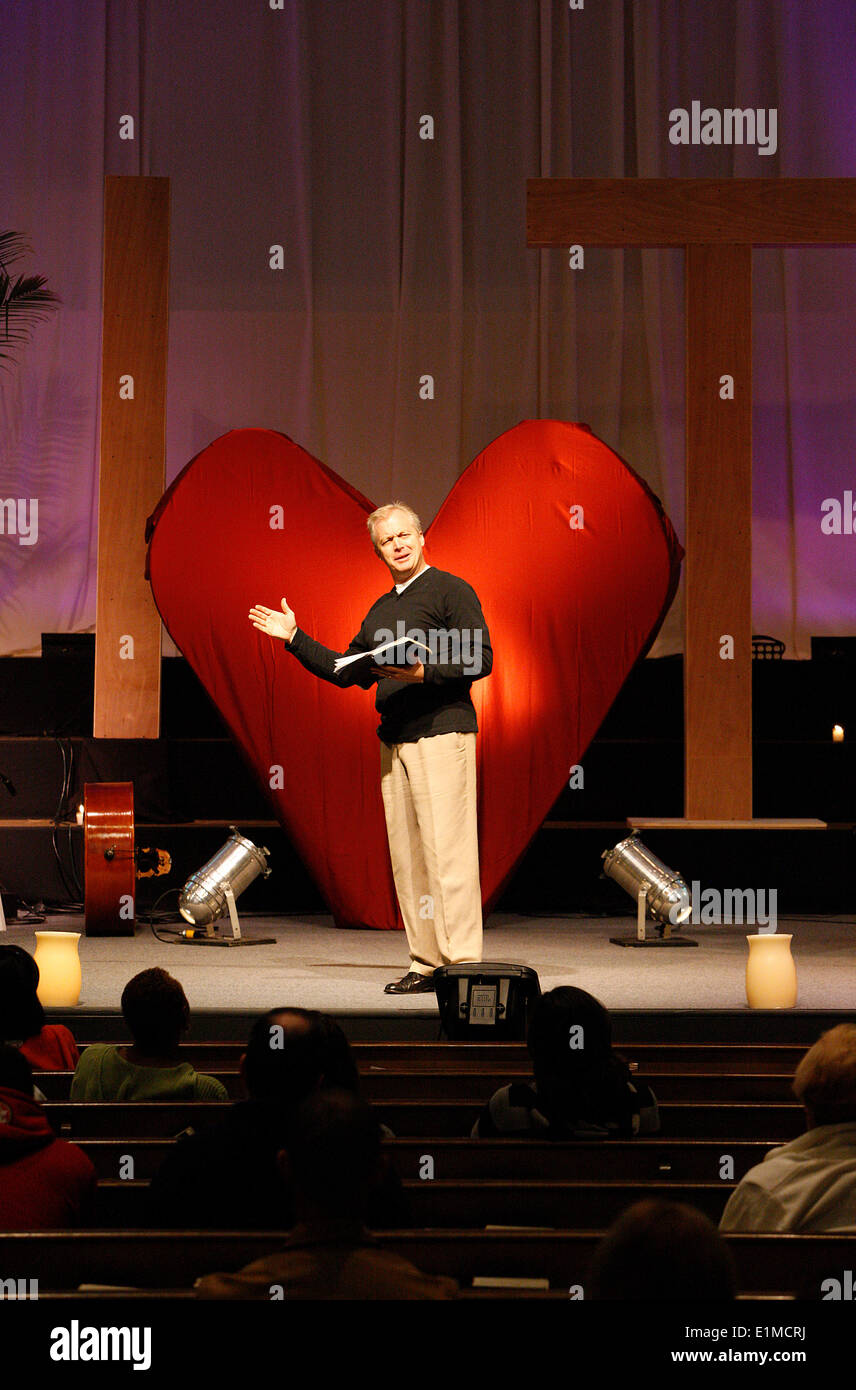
pixel 570 553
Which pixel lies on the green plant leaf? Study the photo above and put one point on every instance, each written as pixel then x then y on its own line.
pixel 24 301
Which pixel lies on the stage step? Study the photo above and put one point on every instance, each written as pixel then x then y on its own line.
pixel 752 1030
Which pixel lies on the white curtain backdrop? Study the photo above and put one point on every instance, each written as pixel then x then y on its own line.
pixel 405 257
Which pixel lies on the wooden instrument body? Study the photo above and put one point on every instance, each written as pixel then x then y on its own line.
pixel 109 858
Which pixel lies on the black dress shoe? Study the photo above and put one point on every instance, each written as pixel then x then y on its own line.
pixel 412 983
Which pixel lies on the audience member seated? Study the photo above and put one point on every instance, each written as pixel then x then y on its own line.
pixel 332 1156
pixel 227 1177
pixel 659 1252
pixel 809 1184
pixel 157 1014
pixel 45 1183
pixel 46 1046
pixel 581 1089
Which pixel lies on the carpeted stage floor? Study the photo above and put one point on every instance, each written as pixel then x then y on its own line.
pixel 314 965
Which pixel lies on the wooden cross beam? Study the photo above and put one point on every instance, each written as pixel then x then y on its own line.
pixel 717 222
pixel 131 478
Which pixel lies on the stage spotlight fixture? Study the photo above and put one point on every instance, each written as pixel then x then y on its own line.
pixel 486 1000
pixel 656 888
pixel 211 892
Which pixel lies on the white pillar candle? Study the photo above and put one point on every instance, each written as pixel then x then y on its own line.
pixel 771 976
pixel 59 968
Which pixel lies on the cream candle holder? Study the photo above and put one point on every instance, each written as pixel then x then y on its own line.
pixel 771 976
pixel 59 968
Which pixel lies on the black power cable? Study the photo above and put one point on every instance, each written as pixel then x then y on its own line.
pixel 72 886
pixel 153 918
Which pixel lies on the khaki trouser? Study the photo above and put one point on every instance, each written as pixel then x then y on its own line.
pixel 429 798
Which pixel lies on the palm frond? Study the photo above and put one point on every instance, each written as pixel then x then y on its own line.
pixel 24 301
pixel 12 247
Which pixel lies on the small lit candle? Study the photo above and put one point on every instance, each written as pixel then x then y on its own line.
pixel 837 733
pixel 80 814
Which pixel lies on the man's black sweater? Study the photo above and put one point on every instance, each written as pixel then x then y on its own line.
pixel 438 609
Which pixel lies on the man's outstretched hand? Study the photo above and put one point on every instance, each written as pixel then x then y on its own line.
pixel 275 624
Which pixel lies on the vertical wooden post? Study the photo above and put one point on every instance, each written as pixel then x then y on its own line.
pixel 718 575
pixel 133 415
pixel 717 222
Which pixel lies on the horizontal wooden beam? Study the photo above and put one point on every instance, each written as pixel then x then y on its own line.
pixel 681 823
pixel 683 212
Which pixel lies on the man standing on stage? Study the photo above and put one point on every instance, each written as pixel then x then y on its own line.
pixel 427 735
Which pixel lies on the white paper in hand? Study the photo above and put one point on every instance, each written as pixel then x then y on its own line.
pixel 387 651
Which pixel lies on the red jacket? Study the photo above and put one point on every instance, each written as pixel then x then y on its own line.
pixel 45 1183
pixel 53 1049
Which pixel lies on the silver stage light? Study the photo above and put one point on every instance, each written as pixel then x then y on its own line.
pixel 211 892
pixel 656 889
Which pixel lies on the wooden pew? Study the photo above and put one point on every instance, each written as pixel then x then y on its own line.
pixel 782 1058
pixel 512 1059
pixel 62 1260
pixel 475 1202
pixel 644 1158
pixel 141 1119
pixel 56 1085
pixel 681 1160
pixel 771 1123
pixel 479 1294
pixel 442 1084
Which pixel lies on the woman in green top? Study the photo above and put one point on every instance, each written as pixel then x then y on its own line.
pixel 157 1013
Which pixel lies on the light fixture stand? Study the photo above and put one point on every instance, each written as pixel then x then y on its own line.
pixel 212 939
pixel 209 893
pixel 642 938
pixel 628 864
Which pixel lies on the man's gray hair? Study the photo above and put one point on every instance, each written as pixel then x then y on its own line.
pixel 383 512
pixel 825 1080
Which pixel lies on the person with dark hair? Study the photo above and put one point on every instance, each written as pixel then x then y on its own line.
pixel 290 1049
pixel 581 1088
pixel 45 1183
pixel 157 1013
pixel 46 1046
pixel 661 1251
pixel 809 1184
pixel 331 1160
pixel 227 1177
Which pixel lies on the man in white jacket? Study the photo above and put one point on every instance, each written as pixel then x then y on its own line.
pixel 809 1184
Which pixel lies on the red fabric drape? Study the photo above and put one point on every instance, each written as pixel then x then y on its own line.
pixel 570 608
